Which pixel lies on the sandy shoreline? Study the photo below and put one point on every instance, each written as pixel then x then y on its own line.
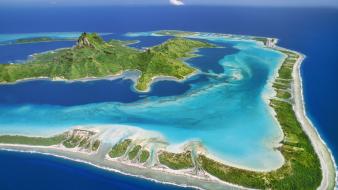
pixel 127 74
pixel 327 163
pixel 157 175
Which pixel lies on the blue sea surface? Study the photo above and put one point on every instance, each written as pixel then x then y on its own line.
pixel 310 31
pixel 9 53
pixel 56 174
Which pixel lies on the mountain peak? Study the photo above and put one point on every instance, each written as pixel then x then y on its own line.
pixel 89 40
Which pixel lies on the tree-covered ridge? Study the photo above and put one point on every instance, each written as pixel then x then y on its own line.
pixel 93 57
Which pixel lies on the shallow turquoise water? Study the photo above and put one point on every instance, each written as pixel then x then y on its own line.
pixel 227 112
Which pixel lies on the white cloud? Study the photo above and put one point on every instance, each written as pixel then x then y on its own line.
pixel 176 2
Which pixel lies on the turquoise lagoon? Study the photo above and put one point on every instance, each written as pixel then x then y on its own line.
pixel 227 111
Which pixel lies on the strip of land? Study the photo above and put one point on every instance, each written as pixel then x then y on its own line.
pixel 324 154
pixel 36 40
pixel 41 39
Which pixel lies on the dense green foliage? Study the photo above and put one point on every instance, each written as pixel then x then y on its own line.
pixel 231 174
pixel 96 145
pixel 38 141
pixel 119 149
pixel 74 142
pixel 93 57
pixel 281 86
pixel 283 94
pixel 133 153
pixel 144 156
pixel 301 169
pixel 176 161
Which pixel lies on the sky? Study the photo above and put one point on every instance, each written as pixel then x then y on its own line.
pixel 302 3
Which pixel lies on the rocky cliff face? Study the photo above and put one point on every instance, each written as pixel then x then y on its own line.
pixel 83 41
pixel 89 40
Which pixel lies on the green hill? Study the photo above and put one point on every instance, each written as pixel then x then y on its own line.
pixel 93 57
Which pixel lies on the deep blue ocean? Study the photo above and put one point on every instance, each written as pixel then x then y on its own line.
pixel 310 31
pixel 56 173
